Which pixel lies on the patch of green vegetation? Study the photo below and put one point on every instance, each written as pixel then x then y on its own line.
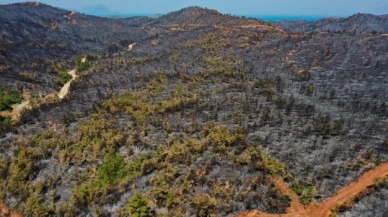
pixel 270 165
pixel 9 97
pixel 160 190
pixel 143 104
pixel 134 61
pixel 97 137
pixel 333 214
pixel 63 78
pixel 308 195
pixel 138 206
pixel 22 168
pixel 81 66
pixel 205 205
pixel 85 193
pixel 219 138
pixel 210 43
pixel 35 206
pixel 113 169
pixel 219 67
pixel 310 89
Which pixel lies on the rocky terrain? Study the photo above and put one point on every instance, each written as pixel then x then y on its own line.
pixel 195 120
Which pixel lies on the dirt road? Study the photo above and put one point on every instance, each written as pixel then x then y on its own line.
pixel 323 208
pixel 65 89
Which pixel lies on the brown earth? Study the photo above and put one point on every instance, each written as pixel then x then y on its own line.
pixel 6 212
pixel 323 208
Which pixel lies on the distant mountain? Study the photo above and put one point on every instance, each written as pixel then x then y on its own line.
pixel 356 24
pixel 103 11
pixel 97 10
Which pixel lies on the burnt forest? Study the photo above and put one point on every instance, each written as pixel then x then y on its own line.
pixel 193 113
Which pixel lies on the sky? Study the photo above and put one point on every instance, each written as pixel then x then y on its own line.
pixel 236 7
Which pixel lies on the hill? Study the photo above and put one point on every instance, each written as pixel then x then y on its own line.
pixel 52 37
pixel 356 24
pixel 196 119
pixel 203 16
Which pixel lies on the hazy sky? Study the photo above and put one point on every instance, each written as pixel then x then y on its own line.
pixel 240 7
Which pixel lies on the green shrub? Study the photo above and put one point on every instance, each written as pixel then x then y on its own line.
pixel 271 166
pixel 113 169
pixel 220 138
pixel 135 167
pixel 9 97
pixel 138 206
pixel 308 195
pixel 85 193
pixel 35 206
pixel 296 187
pixel 63 78
pixel 205 205
pixel 81 66
pixel 333 214
pixel 160 191
pixel 310 89
pixel 22 169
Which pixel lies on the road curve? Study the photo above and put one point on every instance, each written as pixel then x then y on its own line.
pixel 323 208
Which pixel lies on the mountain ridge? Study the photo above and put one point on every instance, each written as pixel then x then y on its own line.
pixel 355 24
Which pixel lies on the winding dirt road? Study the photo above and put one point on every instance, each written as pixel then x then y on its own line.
pixel 17 108
pixel 65 89
pixel 323 208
